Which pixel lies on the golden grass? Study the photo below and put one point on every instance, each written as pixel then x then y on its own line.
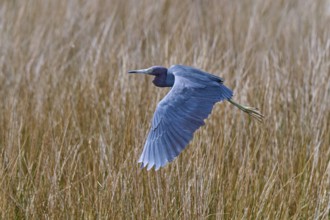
pixel 73 122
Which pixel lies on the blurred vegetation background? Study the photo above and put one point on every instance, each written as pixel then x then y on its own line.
pixel 73 122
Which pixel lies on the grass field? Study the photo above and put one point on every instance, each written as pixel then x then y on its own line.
pixel 73 122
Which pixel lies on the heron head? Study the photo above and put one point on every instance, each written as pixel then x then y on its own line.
pixel 154 71
pixel 162 77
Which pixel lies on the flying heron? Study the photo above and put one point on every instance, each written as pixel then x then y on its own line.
pixel 182 111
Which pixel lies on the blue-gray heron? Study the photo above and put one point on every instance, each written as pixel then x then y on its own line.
pixel 182 111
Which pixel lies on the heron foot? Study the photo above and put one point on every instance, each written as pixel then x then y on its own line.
pixel 253 112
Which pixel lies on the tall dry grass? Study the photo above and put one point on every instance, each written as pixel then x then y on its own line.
pixel 73 122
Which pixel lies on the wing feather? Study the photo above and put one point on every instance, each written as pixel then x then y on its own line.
pixel 158 157
pixel 151 154
pixel 177 137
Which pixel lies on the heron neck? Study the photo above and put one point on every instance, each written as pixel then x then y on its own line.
pixel 169 80
pixel 164 80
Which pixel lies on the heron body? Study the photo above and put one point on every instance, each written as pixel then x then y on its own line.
pixel 182 111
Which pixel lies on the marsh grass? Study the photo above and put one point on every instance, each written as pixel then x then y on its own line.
pixel 73 122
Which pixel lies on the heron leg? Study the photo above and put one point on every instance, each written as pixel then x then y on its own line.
pixel 254 112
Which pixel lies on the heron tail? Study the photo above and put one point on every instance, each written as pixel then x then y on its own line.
pixel 254 112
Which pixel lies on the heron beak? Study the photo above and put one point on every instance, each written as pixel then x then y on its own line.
pixel 142 71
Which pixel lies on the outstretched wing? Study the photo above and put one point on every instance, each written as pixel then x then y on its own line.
pixel 181 112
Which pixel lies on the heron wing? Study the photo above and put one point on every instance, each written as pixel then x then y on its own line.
pixel 195 74
pixel 178 115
